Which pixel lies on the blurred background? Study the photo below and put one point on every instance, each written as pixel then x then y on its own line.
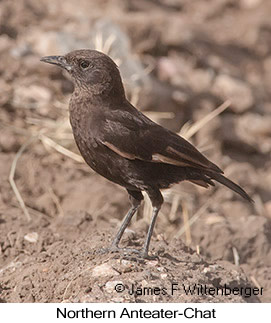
pixel 199 68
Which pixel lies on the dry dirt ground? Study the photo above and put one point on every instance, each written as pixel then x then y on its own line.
pixel 180 60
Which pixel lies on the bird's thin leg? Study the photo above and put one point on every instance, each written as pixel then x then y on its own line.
pixel 145 250
pixel 124 225
pixel 157 201
pixel 135 197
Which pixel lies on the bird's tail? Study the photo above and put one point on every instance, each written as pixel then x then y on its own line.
pixel 225 181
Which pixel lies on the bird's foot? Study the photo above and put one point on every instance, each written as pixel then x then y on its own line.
pixel 130 253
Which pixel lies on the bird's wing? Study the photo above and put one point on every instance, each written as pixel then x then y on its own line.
pixel 132 135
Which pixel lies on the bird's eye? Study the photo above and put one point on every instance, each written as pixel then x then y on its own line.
pixel 84 64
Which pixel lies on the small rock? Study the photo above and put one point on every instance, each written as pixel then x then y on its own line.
pixel 103 271
pixel 6 92
pixel 228 87
pixel 5 42
pixel 126 266
pixel 8 142
pixel 215 267
pixel 152 263
pixel 267 207
pixel 179 96
pixel 110 286
pixel 31 237
pixel 166 68
pixel 252 129
pixel 214 218
pixel 54 42
pixel 206 270
pixel 20 50
pixel 126 262
pixel 144 283
pixel 250 4
pixel 195 258
pixel 32 96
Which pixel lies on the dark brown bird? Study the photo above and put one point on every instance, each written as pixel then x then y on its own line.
pixel 122 144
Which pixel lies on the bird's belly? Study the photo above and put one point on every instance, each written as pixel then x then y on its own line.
pixel 105 162
pixel 132 174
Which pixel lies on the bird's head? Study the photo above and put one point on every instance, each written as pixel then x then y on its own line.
pixel 92 71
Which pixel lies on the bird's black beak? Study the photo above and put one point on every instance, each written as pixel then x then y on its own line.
pixel 57 60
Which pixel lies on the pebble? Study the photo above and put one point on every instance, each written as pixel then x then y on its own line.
pixel 267 207
pixel 152 263
pixel 250 4
pixel 103 271
pixel 111 285
pixel 32 96
pixel 206 270
pixel 55 42
pixel 236 90
pixel 126 262
pixel 31 237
